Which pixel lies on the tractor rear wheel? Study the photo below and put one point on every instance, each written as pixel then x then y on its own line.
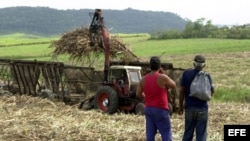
pixel 106 100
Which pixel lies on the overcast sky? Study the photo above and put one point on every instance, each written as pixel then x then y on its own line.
pixel 229 12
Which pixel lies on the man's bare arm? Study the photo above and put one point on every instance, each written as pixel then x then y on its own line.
pixel 169 82
pixel 181 99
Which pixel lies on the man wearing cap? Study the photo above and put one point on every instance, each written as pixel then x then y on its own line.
pixel 153 88
pixel 196 111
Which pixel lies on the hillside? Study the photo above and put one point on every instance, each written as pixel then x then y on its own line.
pixel 47 21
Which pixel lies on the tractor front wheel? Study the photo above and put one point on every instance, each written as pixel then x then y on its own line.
pixel 106 100
pixel 139 109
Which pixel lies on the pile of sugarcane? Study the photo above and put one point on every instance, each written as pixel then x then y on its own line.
pixel 78 46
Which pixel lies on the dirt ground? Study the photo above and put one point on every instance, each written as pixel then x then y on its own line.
pixel 32 118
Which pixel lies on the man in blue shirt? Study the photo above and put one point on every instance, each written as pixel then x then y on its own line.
pixel 196 111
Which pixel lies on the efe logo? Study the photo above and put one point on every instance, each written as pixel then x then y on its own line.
pixel 236 132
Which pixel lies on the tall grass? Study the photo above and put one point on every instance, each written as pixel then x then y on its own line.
pixel 232 94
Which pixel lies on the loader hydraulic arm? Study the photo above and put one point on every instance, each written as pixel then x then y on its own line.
pixel 99 34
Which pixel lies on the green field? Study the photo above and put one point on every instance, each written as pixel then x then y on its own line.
pixel 23 46
pixel 227 59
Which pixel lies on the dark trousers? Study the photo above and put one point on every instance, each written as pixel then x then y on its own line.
pixel 195 120
pixel 158 119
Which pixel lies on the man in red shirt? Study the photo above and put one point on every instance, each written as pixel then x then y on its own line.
pixel 153 88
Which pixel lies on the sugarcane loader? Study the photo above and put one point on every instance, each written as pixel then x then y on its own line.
pixel 118 91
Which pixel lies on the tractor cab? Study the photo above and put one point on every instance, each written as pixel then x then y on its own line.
pixel 124 79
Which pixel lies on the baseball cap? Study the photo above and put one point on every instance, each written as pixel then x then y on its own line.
pixel 199 59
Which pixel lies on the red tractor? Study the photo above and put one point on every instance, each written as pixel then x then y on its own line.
pixel 118 91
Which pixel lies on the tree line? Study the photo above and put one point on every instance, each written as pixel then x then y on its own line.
pixel 48 21
pixel 205 29
pixel 160 25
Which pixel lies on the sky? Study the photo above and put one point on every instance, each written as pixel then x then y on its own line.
pixel 222 12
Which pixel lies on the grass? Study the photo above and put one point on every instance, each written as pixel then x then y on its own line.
pixel 189 46
pixel 20 38
pixel 138 43
pixel 26 52
pixel 227 59
pixel 232 95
